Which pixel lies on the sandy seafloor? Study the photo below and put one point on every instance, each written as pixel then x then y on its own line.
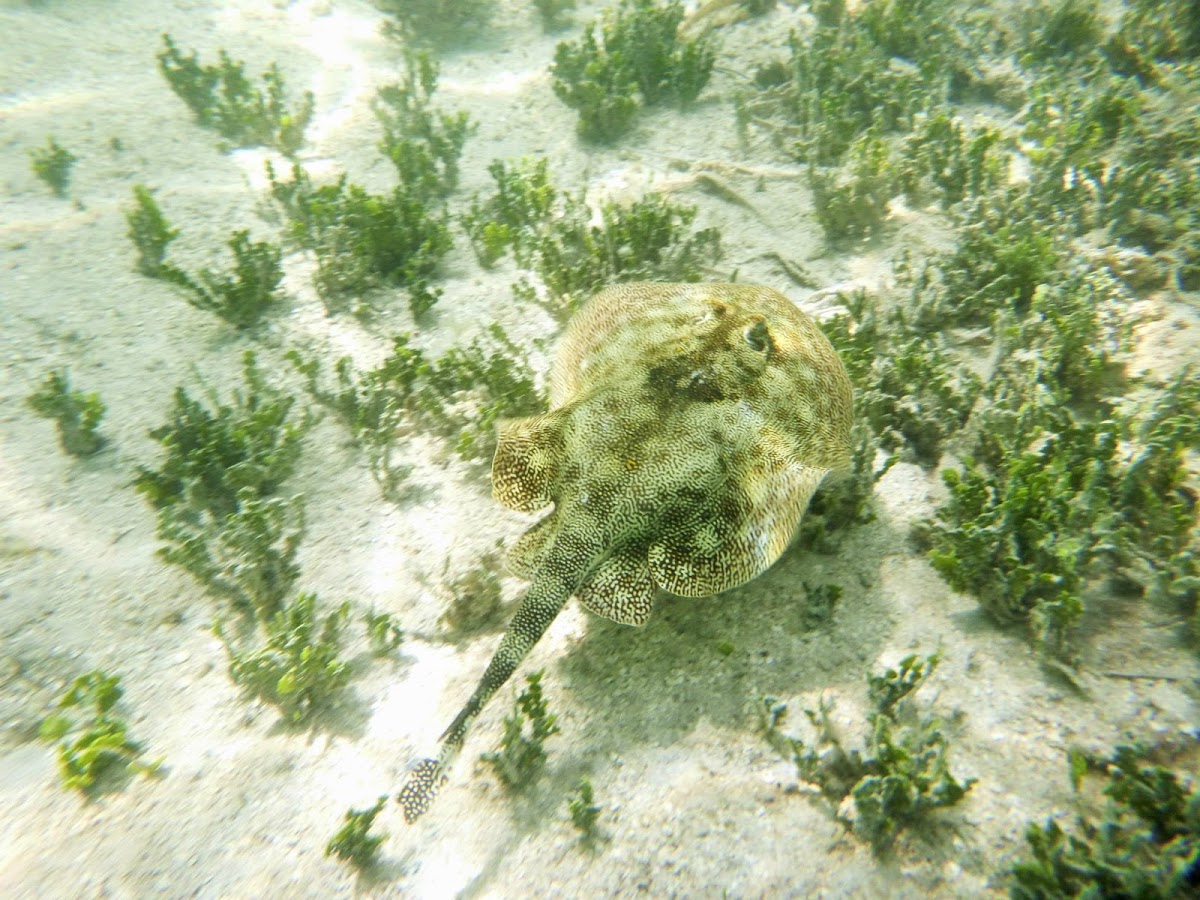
pixel 695 803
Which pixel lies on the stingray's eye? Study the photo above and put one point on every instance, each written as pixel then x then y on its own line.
pixel 757 336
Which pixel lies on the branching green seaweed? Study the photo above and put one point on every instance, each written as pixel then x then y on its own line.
pixel 298 668
pixel 383 633
pixel 52 164
pixel 460 396
pixel 423 144
pixel 76 414
pixel 212 454
pixel 638 49
pixel 649 240
pixel 585 813
pixel 95 744
pixel 900 776
pixel 524 200
pixel 1144 843
pixel 439 22
pixel 248 557
pixel 354 842
pixel 365 241
pixel 240 298
pixel 522 755
pixel 222 98
pixel 150 233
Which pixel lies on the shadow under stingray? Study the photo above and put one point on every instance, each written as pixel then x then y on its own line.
pixel 652 685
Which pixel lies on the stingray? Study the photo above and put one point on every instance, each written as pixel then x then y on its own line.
pixel 689 426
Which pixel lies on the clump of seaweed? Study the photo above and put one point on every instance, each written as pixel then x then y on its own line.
pixel 241 297
pixel 585 813
pixel 212 454
pixel 1144 843
pixel 354 842
pixel 98 742
pixel 384 634
pixel 364 241
pixel 871 70
pixel 524 199
pixel 150 233
pixel 461 396
pixel 522 755
pixel 851 200
pixel 648 240
pixel 423 144
pixel 223 98
pixel 901 775
pixel 213 491
pixel 76 414
pixel 439 22
pixel 575 249
pixel 52 164
pixel 298 668
pixel 1057 500
pixel 909 389
pixel 248 557
pixel 639 50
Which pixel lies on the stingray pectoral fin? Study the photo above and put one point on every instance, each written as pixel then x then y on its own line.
pixel 738 536
pixel 528 454
pixel 621 589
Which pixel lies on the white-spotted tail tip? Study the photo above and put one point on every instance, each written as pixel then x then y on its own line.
pixel 424 782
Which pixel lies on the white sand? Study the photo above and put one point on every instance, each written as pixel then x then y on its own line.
pixel 695 803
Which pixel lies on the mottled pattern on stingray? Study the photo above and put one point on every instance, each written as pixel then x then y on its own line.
pixel 690 425
pixel 526 461
pixel 637 327
pixel 693 422
pixel 621 589
pixel 425 780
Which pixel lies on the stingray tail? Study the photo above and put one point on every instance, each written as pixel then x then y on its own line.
pixel 538 609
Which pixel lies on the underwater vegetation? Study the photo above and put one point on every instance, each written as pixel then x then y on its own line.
pixel 213 491
pixel 76 414
pixel 150 233
pixel 902 773
pixel 638 54
pixel 211 455
pixel 364 241
pixel 298 668
pixel 442 23
pixel 97 742
pixel 354 842
pixel 422 143
pixel 52 164
pixel 1054 489
pixel 408 388
pixel 384 634
pixel 585 813
pixel 522 754
pixel 223 98
pixel 556 236
pixel 1145 842
pixel 241 297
